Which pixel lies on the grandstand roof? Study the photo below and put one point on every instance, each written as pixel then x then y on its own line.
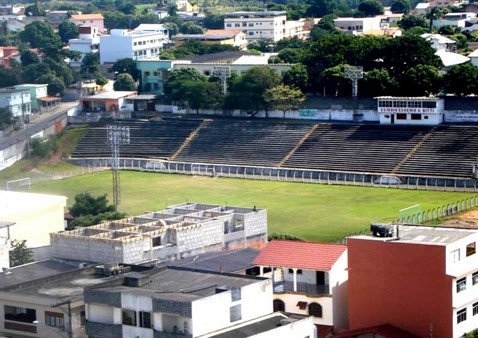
pixel 301 255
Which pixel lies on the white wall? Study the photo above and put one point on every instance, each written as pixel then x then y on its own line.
pixel 103 314
pixel 291 299
pixel 4 252
pixel 338 287
pixel 116 46
pixel 301 328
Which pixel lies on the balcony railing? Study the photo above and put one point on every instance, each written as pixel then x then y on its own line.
pixel 16 326
pixel 313 289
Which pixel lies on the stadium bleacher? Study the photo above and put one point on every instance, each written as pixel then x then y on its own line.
pixel 444 151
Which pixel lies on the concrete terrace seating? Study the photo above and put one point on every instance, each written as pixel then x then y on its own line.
pixel 449 151
pixel 358 148
pixel 246 142
pixel 147 139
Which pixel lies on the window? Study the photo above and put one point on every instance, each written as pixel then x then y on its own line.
pixel 299 271
pixel 461 284
pixel 429 104
pixel 400 104
pixel 278 305
pixel 54 319
pixel 82 318
pixel 157 241
pixel 235 313
pixel 416 116
pixel 315 310
pixel 474 278
pixel 461 315
pixel 129 317
pixel 414 104
pixel 471 249
pixel 237 25
pixel 147 73
pixel 20 314
pixel 235 294
pixel 145 319
pixel 455 255
pixel 228 25
pixel 475 309
pixel 401 116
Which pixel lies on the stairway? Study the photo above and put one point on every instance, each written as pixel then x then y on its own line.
pixel 189 139
pixel 302 140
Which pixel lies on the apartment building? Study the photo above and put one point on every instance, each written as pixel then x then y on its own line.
pixel 18 101
pixel 145 41
pixel 421 279
pixel 177 302
pixel 357 26
pixel 308 279
pixel 91 20
pixel 88 41
pixel 258 25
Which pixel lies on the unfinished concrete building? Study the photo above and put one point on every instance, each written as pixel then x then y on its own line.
pixel 176 232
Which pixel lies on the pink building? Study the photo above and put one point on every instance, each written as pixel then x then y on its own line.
pixel 91 20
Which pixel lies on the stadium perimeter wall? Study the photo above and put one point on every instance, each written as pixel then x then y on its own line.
pixel 287 174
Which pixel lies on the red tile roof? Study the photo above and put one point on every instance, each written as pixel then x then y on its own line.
pixel 93 16
pixel 300 255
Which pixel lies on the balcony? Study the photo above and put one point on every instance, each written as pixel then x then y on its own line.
pixel 166 334
pixel 16 326
pixel 311 289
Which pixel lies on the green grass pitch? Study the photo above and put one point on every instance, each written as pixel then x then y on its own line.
pixel 311 211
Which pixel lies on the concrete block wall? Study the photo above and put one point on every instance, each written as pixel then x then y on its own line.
pixel 201 235
pixel 255 223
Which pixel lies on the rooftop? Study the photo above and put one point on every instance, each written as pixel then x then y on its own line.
pixel 111 95
pixel 177 284
pixel 433 235
pixel 181 216
pixel 223 261
pixel 55 279
pixel 87 16
pixel 300 255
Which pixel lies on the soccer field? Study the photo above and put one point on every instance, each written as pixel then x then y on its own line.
pixel 310 211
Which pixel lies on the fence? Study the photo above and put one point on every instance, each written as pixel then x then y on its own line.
pixel 288 174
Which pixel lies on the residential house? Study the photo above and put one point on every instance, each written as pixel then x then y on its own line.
pixel 422 8
pixel 308 278
pixel 37 93
pixel 236 38
pixel 454 19
pixel 106 104
pixel 474 57
pixel 55 18
pixel 91 20
pixel 145 41
pixel 17 101
pixel 398 279
pixel 296 29
pixel 446 3
pixel 357 26
pixel 46 298
pixel 178 231
pixel 258 25
pixel 87 42
pixel 177 302
pixel 445 49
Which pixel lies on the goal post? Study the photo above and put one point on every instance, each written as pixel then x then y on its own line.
pixel 20 183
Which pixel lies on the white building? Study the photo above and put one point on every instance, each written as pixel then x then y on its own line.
pixel 358 26
pixel 87 42
pixel 4 248
pixel 146 41
pixel 176 302
pixel 178 231
pixel 410 110
pixel 258 25
pixel 34 215
pixel 454 19
pixel 18 101
pixel 308 278
pixel 92 20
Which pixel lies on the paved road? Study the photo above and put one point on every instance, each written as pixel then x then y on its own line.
pixel 37 123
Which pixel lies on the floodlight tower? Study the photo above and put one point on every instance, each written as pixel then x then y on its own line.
pixel 223 73
pixel 354 73
pixel 116 135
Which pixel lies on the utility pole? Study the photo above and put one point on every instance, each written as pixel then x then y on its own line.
pixel 354 73
pixel 69 327
pixel 116 135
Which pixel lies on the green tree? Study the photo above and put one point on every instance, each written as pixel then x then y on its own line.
pixel 190 28
pixel 377 82
pixel 90 65
pixel 40 34
pixel 409 21
pixel 187 88
pixel 324 27
pixel 214 21
pixel 370 7
pixel 421 80
pixel 172 10
pixel 68 30
pixel 89 210
pixel 320 8
pixel 29 57
pixel 35 10
pixel 284 98
pixel 461 80
pixel 101 80
pixel 124 82
pixel 400 6
pixel 472 334
pixel 435 13
pixel 247 93
pixel 6 118
pixel 126 65
pixel 56 86
pixel 296 76
pixel 8 77
pixel 20 254
pixel 291 55
pixel 43 147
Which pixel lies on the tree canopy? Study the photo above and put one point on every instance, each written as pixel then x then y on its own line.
pixel 89 210
pixel 20 253
pixel 124 82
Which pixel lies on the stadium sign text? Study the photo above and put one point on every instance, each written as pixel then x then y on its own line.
pixel 405 110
